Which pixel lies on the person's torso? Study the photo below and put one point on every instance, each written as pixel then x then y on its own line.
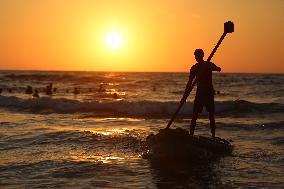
pixel 204 79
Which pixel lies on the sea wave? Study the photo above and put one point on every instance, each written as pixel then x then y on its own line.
pixel 269 126
pixel 147 109
pixel 97 139
pixel 63 77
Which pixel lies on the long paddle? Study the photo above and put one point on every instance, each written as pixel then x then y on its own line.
pixel 228 28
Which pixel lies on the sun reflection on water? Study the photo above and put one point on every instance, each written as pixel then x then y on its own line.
pixel 98 158
pixel 117 131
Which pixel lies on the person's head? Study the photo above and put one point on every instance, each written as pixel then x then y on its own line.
pixel 199 54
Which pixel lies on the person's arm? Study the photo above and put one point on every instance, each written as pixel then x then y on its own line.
pixel 214 67
pixel 188 86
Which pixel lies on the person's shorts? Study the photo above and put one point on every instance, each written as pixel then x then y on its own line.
pixel 201 101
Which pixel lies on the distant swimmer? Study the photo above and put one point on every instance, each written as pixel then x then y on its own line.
pixel 35 94
pixel 216 92
pixel 48 89
pixel 115 95
pixel 29 90
pixel 202 71
pixel 54 89
pixel 76 91
pixel 101 89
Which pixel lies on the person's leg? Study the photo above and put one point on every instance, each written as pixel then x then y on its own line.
pixel 197 108
pixel 212 123
pixel 193 123
pixel 210 106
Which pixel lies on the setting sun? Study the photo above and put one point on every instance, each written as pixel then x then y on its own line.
pixel 114 40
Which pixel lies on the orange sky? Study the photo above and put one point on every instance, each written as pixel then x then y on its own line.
pixel 158 35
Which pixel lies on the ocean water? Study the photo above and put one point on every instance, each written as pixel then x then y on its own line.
pixel 95 139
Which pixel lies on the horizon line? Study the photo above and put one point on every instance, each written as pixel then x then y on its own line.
pixel 26 70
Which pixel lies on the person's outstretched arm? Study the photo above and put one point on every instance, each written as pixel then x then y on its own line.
pixel 214 67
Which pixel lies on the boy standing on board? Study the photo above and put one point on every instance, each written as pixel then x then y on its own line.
pixel 202 71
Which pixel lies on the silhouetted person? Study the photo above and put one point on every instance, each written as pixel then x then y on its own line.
pixel 115 95
pixel 35 94
pixel 48 90
pixel 202 71
pixel 76 91
pixel 101 89
pixel 29 90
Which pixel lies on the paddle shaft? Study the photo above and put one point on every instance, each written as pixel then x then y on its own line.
pixel 195 81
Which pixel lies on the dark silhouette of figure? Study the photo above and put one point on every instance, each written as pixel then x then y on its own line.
pixel 76 91
pixel 35 94
pixel 10 90
pixel 1 90
pixel 115 95
pixel 29 90
pixel 54 90
pixel 101 89
pixel 202 71
pixel 48 89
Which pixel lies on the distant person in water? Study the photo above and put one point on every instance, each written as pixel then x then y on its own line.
pixel 29 90
pixel 115 96
pixel 76 91
pixel 54 90
pixel 101 89
pixel 202 71
pixel 35 94
pixel 48 89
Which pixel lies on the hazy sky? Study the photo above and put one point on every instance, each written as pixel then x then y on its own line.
pixel 157 35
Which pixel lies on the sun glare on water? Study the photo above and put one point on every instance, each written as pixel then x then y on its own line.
pixel 114 40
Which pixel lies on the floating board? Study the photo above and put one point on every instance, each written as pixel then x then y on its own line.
pixel 177 143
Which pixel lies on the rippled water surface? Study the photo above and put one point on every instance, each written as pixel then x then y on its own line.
pixel 96 138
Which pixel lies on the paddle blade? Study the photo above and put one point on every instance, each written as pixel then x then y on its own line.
pixel 229 27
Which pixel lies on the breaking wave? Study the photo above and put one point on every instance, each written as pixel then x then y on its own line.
pixel 148 109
